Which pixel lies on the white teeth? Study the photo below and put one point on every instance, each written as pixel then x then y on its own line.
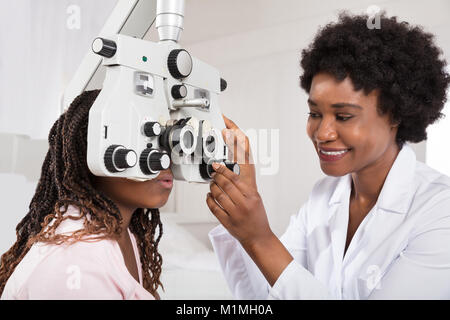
pixel 333 153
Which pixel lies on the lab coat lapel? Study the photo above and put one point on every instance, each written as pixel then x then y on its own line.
pixel 338 206
pixel 371 251
pixel 397 193
pixel 369 246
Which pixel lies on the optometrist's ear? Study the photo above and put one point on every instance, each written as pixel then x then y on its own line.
pixel 395 124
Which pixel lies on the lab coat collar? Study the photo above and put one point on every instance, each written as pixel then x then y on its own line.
pixel 396 194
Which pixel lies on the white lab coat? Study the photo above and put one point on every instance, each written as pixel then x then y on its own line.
pixel 401 249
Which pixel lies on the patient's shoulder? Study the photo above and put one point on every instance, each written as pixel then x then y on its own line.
pixel 95 262
pixel 61 271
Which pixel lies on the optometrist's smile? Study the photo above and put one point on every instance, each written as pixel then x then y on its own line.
pixel 332 154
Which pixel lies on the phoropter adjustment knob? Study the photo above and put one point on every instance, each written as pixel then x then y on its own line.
pixel 117 158
pixel 233 166
pixel 152 129
pixel 104 47
pixel 152 161
pixel 179 91
pixel 223 84
pixel 206 170
pixel 179 63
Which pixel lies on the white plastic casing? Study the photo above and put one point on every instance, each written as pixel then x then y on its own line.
pixel 120 110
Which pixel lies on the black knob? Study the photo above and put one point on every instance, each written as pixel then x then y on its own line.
pixel 223 84
pixel 117 158
pixel 151 161
pixel 179 63
pixel 179 91
pixel 233 166
pixel 125 158
pixel 207 169
pixel 179 134
pixel 152 129
pixel 104 47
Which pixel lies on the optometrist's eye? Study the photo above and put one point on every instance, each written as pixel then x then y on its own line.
pixel 343 118
pixel 338 117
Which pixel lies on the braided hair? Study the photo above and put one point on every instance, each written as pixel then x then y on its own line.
pixel 66 180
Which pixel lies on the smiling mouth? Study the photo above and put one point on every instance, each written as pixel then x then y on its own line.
pixel 330 156
pixel 333 153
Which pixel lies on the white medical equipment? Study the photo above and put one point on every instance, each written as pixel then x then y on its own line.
pixel 158 107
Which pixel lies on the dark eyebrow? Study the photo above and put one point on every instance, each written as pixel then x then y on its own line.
pixel 337 105
pixel 345 104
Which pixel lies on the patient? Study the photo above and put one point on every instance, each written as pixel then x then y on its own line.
pixel 85 237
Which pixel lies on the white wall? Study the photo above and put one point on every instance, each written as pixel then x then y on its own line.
pixel 42 44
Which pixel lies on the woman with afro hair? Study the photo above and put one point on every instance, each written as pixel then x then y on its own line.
pixel 85 237
pixel 378 225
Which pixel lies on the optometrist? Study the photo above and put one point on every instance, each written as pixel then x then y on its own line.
pixel 378 225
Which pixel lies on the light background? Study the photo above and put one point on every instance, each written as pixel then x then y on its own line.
pixel 255 44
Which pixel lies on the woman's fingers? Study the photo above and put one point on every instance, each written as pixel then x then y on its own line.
pixel 231 183
pixel 221 197
pixel 240 152
pixel 236 195
pixel 229 123
pixel 239 144
pixel 216 210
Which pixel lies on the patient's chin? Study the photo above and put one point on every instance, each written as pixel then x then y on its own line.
pixel 157 202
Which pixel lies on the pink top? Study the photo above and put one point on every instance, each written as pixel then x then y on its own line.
pixel 83 270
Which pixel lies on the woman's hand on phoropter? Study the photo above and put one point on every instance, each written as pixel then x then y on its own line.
pixel 238 207
pixel 234 199
pixel 239 148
